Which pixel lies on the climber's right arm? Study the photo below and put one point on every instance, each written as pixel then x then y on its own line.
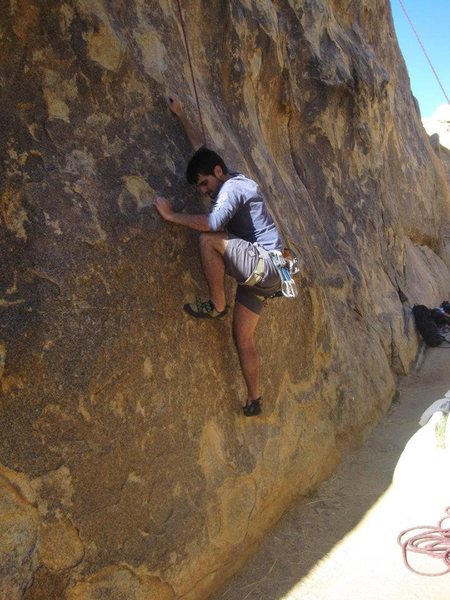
pixel 192 133
pixel 199 222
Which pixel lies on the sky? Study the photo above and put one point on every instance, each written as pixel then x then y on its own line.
pixel 431 19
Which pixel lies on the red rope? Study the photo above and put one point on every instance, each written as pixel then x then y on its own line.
pixel 192 70
pixel 424 51
pixel 432 541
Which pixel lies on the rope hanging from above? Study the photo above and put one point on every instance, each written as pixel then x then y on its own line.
pixel 423 49
pixel 186 44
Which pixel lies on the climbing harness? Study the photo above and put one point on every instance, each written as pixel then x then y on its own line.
pixel 257 275
pixel 287 267
pixel 186 44
pixel 286 264
pixel 430 541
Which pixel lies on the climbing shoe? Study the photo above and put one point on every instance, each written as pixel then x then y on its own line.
pixel 204 310
pixel 252 409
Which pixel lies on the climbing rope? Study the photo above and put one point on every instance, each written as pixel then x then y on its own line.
pixel 188 53
pixel 186 44
pixel 423 49
pixel 430 541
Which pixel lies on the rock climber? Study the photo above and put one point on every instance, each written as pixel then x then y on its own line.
pixel 235 238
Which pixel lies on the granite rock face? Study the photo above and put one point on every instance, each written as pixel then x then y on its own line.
pixel 128 470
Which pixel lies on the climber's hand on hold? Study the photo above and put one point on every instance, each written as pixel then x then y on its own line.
pixel 164 208
pixel 193 134
pixel 175 105
pixel 198 222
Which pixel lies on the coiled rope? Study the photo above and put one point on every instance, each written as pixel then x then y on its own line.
pixel 431 541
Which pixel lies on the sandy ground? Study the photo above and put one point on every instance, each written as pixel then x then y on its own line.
pixel 341 543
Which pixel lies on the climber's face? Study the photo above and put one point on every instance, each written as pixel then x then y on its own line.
pixel 211 184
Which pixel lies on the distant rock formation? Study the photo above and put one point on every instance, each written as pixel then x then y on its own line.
pixel 439 124
pixel 128 470
pixel 438 128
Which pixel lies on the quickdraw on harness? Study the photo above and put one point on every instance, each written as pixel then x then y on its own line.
pixel 286 264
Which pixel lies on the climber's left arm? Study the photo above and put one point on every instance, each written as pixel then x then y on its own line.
pixel 192 133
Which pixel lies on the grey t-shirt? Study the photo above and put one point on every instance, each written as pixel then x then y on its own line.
pixel 239 208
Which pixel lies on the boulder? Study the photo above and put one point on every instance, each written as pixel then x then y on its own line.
pixel 121 414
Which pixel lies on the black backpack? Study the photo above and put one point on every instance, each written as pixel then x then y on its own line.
pixel 427 326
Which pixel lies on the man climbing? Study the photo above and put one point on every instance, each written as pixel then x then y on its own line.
pixel 236 238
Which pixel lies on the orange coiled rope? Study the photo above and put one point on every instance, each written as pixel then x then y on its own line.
pixel 431 541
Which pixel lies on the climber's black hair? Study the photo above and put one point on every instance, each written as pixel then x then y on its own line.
pixel 203 163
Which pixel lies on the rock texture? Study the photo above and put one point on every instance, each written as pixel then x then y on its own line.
pixel 128 469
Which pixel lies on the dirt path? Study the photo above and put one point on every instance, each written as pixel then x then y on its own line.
pixel 341 543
